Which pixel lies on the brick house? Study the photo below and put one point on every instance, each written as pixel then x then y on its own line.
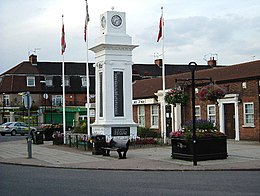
pixel 237 114
pixel 41 78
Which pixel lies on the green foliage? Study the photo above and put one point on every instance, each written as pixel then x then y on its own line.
pixel 204 129
pixel 144 132
pixel 81 128
pixel 201 124
pixel 176 96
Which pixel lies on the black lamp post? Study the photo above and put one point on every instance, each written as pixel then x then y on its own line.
pixel 45 96
pixel 192 67
pixel 3 101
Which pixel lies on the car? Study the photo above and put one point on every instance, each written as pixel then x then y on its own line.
pixel 14 128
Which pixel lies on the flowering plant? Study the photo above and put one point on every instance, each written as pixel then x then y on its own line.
pixel 57 138
pixel 204 129
pixel 211 92
pixel 176 95
pixel 57 135
pixel 84 138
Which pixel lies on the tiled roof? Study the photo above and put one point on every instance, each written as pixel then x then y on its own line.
pixel 243 71
pixel 154 70
pixel 51 68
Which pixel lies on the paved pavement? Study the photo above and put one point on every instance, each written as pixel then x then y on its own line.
pixel 242 155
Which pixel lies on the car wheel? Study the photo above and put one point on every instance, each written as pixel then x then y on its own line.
pixel 2 134
pixel 13 133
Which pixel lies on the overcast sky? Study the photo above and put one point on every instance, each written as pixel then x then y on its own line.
pixel 193 29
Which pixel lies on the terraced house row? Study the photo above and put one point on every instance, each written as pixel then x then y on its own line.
pixel 237 114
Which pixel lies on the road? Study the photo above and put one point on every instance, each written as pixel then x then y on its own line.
pixel 26 180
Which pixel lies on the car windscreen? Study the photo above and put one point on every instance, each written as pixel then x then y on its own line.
pixel 6 124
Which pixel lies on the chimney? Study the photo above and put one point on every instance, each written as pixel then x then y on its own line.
pixel 212 62
pixel 33 59
pixel 158 62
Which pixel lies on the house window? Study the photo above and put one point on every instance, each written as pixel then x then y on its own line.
pixel 6 101
pixel 67 81
pixel 244 85
pixel 212 113
pixel 57 100
pixel 249 114
pixel 197 112
pixel 49 81
pixel 84 81
pixel 141 115
pixel 154 116
pixel 30 81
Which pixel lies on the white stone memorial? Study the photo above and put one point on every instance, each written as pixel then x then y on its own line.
pixel 113 56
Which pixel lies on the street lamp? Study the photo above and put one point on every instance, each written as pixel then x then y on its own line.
pixel 192 67
pixel 27 100
pixel 45 96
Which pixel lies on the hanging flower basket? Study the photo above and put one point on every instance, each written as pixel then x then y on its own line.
pixel 176 96
pixel 211 92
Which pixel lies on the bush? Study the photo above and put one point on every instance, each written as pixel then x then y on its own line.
pixel 144 132
pixel 201 124
pixel 81 128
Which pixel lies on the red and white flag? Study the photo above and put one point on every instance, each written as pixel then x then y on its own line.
pixel 160 34
pixel 86 22
pixel 63 43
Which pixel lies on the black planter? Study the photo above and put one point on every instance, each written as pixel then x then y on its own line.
pixel 206 148
pixel 58 141
pixel 48 132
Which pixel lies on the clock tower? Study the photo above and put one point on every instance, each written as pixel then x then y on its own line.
pixel 113 56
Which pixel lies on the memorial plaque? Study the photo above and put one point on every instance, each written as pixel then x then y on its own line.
pixel 118 94
pixel 120 131
pixel 100 94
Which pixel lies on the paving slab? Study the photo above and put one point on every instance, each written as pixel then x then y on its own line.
pixel 242 155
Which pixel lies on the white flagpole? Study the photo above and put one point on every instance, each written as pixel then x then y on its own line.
pixel 163 82
pixel 63 99
pixel 87 70
pixel 63 86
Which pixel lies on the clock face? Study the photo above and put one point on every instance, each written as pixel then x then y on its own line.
pixel 103 22
pixel 116 20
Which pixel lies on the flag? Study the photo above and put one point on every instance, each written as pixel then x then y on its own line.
pixel 86 22
pixel 63 43
pixel 160 29
pixel 161 24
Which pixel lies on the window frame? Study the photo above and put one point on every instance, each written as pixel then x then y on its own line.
pixel 67 81
pixel 245 114
pixel 197 115
pixel 211 116
pixel 84 81
pixel 6 100
pixel 49 81
pixel 154 115
pixel 55 98
pixel 28 81
pixel 141 116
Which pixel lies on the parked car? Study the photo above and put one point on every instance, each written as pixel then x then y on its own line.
pixel 14 128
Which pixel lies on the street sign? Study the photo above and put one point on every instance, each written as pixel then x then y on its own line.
pixel 45 96
pixel 27 101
